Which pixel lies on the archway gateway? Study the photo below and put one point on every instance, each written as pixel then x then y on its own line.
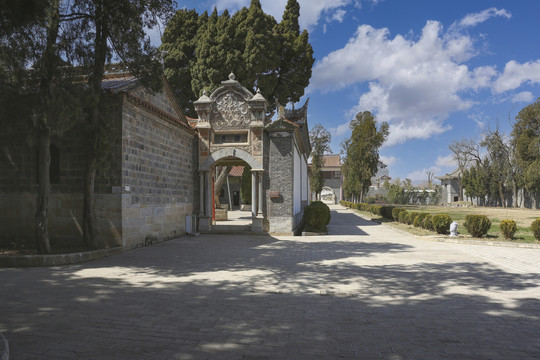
pixel 233 128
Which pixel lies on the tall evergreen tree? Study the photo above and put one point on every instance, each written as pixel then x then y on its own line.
pixel 45 97
pixel 362 154
pixel 296 56
pixel 526 142
pixel 110 29
pixel 276 58
pixel 320 139
pixel 179 42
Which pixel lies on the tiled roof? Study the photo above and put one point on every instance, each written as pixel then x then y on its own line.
pixel 332 160
pixel 236 171
pixel 116 84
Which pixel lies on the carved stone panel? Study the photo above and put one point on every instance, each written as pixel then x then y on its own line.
pixel 231 112
pixel 257 142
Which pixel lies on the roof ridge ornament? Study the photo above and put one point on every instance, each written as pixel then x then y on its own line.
pixel 232 77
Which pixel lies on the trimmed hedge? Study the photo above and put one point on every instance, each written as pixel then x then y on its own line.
pixel 508 228
pixel 403 217
pixel 411 217
pixel 441 223
pixel 427 223
pixel 477 225
pixel 535 226
pixel 395 213
pixel 419 219
pixel 316 216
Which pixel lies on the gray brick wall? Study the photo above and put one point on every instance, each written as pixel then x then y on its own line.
pixel 157 177
pixel 280 178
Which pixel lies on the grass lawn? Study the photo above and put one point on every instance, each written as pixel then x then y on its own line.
pixel 522 217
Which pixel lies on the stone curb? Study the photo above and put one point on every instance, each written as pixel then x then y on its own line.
pixel 4 348
pixel 56 259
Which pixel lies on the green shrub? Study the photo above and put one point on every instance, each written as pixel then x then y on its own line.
pixel 441 223
pixel 427 223
pixel 403 217
pixel 316 216
pixel 477 225
pixel 508 228
pixel 411 217
pixel 535 226
pixel 395 213
pixel 375 209
pixel 419 219
pixel 386 212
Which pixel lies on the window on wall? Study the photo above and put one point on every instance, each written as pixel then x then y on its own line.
pixel 337 174
pixel 54 169
pixel 231 138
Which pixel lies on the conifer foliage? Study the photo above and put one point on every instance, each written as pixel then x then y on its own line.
pixel 201 50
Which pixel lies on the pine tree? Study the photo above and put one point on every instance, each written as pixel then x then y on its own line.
pixel 296 56
pixel 320 139
pixel 362 153
pixel 179 42
pixel 526 142
pixel 276 58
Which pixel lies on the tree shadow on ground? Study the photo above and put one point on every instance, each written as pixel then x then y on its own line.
pixel 261 298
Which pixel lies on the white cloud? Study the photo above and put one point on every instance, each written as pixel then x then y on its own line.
pixel 310 10
pixel 421 175
pixel 414 85
pixel 516 74
pixel 479 120
pixel 524 96
pixel 337 15
pixel 388 160
pixel 340 130
pixel 446 161
pixel 479 17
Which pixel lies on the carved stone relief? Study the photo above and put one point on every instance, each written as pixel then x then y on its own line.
pixel 231 111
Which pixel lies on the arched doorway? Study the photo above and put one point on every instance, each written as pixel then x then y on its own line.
pixel 328 196
pixel 208 176
pixel 234 129
pixel 230 127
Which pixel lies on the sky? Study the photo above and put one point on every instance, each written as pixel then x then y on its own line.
pixel 435 71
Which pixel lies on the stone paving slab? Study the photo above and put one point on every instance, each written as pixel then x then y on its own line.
pixel 365 292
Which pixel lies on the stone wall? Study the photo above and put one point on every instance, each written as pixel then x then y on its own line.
pixel 19 186
pixel 281 179
pixel 157 177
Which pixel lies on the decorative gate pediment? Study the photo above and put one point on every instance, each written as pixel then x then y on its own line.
pixel 231 117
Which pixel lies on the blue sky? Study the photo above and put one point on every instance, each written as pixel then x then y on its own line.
pixel 436 71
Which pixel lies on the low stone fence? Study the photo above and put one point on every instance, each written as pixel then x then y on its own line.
pixel 4 348
pixel 55 259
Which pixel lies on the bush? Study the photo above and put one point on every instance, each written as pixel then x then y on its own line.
pixel 411 217
pixel 403 217
pixel 427 223
pixel 316 216
pixel 508 228
pixel 386 212
pixel 375 209
pixel 441 223
pixel 396 212
pixel 535 226
pixel 477 225
pixel 419 219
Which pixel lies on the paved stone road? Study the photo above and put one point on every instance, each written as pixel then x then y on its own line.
pixel 366 292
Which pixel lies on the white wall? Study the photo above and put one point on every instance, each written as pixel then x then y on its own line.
pixel 297 189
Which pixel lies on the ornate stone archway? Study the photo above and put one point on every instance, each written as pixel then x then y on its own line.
pixel 230 127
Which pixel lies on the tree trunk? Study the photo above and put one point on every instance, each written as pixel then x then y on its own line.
pixel 223 173
pixel 94 82
pixel 41 217
pixel 501 194
pixel 514 193
pixel 89 212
